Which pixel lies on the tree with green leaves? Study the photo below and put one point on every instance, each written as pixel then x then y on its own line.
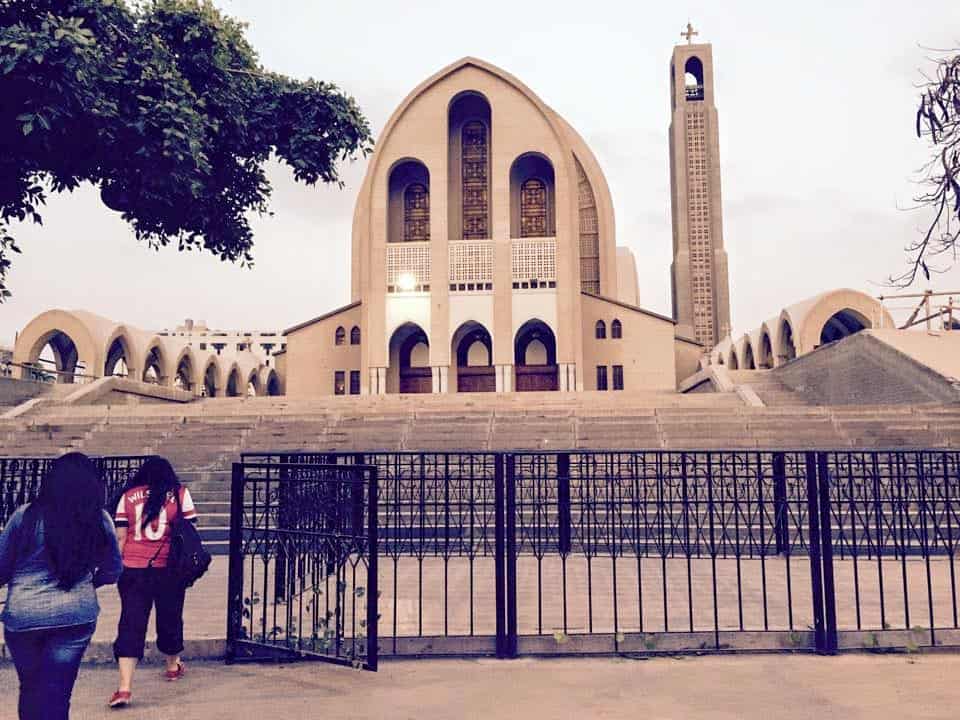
pixel 164 107
pixel 938 120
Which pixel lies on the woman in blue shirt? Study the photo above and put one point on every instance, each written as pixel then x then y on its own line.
pixel 53 553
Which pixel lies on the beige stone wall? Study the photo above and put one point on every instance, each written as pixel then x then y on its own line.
pixel 687 356
pixel 645 350
pixel 312 357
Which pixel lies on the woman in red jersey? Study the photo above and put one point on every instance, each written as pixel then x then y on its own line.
pixel 145 513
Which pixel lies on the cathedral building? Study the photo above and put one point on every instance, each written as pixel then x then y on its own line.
pixel 485 259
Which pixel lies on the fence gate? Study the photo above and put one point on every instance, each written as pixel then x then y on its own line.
pixel 303 563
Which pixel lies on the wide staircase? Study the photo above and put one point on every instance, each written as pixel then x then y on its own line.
pixel 203 439
pixel 768 388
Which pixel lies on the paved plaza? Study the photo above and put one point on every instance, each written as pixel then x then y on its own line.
pixel 850 687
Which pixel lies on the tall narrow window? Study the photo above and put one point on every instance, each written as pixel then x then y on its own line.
pixel 339 336
pixel 339 380
pixel 601 377
pixel 533 208
pixel 355 336
pixel 601 330
pixel 618 377
pixel 354 382
pixel 474 173
pixel 416 213
pixel 616 330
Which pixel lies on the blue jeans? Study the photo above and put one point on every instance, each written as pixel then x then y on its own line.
pixel 47 662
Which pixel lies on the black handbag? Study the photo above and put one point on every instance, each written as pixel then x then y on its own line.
pixel 188 560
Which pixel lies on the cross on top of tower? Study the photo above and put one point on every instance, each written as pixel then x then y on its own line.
pixel 689 33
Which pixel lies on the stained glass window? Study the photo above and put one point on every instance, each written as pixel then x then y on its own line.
pixel 416 213
pixel 475 187
pixel 533 208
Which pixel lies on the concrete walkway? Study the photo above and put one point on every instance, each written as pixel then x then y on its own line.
pixel 920 687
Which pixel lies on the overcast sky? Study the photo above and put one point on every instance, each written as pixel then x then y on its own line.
pixel 816 103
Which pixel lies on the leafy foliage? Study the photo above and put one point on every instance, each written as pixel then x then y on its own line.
pixel 164 107
pixel 938 119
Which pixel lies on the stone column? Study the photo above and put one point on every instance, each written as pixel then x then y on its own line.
pixel 440 379
pixel 504 378
pixel 378 381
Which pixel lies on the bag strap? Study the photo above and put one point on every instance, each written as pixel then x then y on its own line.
pixel 166 539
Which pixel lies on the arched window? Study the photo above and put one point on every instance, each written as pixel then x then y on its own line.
pixel 474 172
pixel 340 336
pixel 601 330
pixel 416 213
pixel 533 208
pixel 616 330
pixel 355 335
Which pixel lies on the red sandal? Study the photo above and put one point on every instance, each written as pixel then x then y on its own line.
pixel 173 675
pixel 120 699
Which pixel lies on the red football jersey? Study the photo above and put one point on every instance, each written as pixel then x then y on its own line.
pixel 151 542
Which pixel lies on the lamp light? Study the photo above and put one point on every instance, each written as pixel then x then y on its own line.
pixel 407 282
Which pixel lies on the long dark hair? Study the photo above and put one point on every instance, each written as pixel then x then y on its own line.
pixel 158 475
pixel 70 504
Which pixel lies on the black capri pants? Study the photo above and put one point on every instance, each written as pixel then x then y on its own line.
pixel 140 590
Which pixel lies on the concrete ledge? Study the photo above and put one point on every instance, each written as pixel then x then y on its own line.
pixel 100 389
pixel 749 396
pixel 716 375
pixel 23 408
pixel 100 652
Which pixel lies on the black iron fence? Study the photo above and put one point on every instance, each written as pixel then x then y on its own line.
pixel 303 563
pixel 20 478
pixel 660 551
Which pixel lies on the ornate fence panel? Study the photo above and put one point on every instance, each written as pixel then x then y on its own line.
pixel 660 551
pixel 20 479
pixel 303 563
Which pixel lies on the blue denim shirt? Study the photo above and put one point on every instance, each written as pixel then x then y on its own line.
pixel 33 599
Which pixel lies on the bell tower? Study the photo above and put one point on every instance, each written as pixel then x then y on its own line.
pixel 701 293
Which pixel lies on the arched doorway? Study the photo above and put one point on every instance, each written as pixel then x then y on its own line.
pixel 734 363
pixel 183 378
pixel 841 324
pixel 233 383
pixel 273 385
pixel 253 384
pixel 766 352
pixel 748 362
pixel 118 359
pixel 209 388
pixel 56 360
pixel 535 357
pixel 788 350
pixel 409 370
pixel 153 366
pixel 472 349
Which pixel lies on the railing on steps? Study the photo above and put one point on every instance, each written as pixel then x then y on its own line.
pixel 20 478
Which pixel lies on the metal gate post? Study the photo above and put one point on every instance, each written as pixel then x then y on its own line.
pixel 826 555
pixel 510 486
pixel 563 503
pixel 781 531
pixel 373 590
pixel 235 568
pixel 816 578
pixel 500 551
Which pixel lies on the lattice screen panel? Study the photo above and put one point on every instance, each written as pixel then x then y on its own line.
pixel 535 260
pixel 471 262
pixel 408 259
